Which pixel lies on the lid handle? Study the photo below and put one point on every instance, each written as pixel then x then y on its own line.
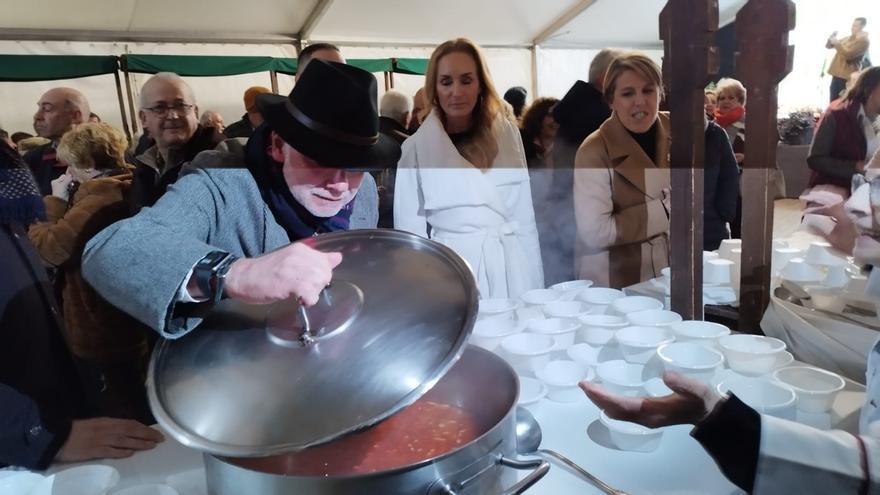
pixel 306 338
pixel 336 308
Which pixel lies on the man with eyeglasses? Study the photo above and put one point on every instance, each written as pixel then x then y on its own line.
pixel 168 111
pixel 58 111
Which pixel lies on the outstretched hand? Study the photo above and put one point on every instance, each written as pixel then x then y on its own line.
pixel 110 438
pixel 690 402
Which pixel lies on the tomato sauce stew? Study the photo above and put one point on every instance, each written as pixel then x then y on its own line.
pixel 422 431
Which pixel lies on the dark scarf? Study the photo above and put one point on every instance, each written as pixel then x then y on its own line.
pixel 292 216
pixel 20 200
pixel 647 141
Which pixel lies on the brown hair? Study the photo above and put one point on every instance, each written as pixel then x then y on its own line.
pixel 533 117
pixel 483 148
pixel 636 62
pixel 93 146
pixel 865 84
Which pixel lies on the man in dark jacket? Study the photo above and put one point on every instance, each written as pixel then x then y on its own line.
pixel 580 112
pixel 59 109
pixel 169 112
pixel 395 112
pixel 720 187
pixel 42 394
pixel 251 119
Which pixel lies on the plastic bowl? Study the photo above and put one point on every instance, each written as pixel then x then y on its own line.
pixel 91 479
pixel 599 296
pixel 572 288
pixel 751 354
pixel 653 318
pixel 639 344
pixel 655 387
pixel 566 309
pixel 491 307
pixel 489 332
pixel 815 388
pixel 691 359
pixel 631 436
pixel 600 329
pixel 764 396
pixel 631 304
pixel 798 270
pixel 528 352
pixel 148 489
pixel 531 391
pixel 703 332
pixel 539 297
pixel 821 254
pixel 562 378
pixel 563 329
pixel 621 377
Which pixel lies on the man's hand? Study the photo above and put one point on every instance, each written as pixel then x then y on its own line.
pixel 295 271
pixel 111 438
pixel 60 186
pixel 690 402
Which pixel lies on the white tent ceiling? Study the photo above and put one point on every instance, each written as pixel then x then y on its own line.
pixel 512 23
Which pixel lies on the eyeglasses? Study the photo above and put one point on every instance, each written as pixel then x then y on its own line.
pixel 162 110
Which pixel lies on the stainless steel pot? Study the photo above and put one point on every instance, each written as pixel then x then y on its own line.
pixel 480 383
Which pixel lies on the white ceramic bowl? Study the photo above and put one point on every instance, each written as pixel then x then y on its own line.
pixel 691 359
pixel 531 391
pixel 562 378
pixel 492 307
pixel 148 489
pixel 815 388
pixel 821 254
pixel 489 332
pixel 703 332
pixel 751 354
pixel 621 377
pixel 599 296
pixel 653 318
pixel 563 329
pixel 639 344
pixel 539 297
pixel 91 479
pixel 528 352
pixel 631 436
pixel 566 309
pixel 761 394
pixel 631 304
pixel 572 288
pixel 599 329
pixel 798 270
pixel 656 388
pixel 18 482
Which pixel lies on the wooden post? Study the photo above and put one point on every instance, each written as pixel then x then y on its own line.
pixel 121 104
pixel 763 59
pixel 273 78
pixel 387 81
pixel 134 115
pixel 689 61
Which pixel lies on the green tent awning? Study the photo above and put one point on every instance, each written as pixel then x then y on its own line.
pixel 416 66
pixel 371 64
pixel 284 65
pixel 53 67
pixel 197 65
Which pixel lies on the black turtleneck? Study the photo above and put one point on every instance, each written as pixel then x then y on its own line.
pixel 647 141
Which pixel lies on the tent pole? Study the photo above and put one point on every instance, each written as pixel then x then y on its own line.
pixel 387 81
pixel 273 76
pixel 134 127
pixel 121 104
pixel 535 89
pixel 391 79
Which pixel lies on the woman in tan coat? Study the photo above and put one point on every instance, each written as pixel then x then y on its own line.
pixel 621 181
pixel 92 195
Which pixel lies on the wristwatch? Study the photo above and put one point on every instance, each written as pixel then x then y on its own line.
pixel 210 273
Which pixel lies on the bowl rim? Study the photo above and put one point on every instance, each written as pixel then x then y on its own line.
pixel 721 343
pixel 644 431
pixel 617 293
pixel 670 337
pixel 669 360
pixel 615 304
pixel 781 371
pixel 579 284
pixel 573 326
pixel 764 382
pixel 541 373
pixel 615 363
pixel 665 312
pixel 542 390
pixel 531 352
pixel 689 323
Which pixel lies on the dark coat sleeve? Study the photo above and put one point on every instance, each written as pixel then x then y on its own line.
pixel 820 158
pixel 727 189
pixel 731 434
pixel 28 438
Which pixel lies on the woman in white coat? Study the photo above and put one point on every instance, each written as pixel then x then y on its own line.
pixel 462 178
pixel 768 455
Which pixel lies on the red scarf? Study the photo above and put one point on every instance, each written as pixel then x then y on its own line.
pixel 726 119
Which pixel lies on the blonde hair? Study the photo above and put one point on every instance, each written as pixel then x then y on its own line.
pixel 96 146
pixel 483 148
pixel 730 85
pixel 637 62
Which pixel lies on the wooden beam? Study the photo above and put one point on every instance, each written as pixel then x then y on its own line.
pixel 19 34
pixel 314 18
pixel 763 59
pixel 560 22
pixel 687 28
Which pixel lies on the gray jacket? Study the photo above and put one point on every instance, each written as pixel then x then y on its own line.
pixel 140 263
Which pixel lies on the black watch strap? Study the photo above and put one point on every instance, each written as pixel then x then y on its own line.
pixel 210 271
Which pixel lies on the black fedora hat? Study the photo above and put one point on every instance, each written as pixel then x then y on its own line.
pixel 331 117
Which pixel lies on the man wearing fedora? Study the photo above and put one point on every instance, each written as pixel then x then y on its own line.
pixel 230 229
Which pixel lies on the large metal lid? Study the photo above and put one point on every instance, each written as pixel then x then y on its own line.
pixel 395 318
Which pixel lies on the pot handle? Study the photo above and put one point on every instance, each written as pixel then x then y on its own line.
pixel 541 467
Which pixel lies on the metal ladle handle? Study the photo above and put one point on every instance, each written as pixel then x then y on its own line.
pixel 583 472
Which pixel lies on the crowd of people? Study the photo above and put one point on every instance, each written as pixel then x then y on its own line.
pixel 109 245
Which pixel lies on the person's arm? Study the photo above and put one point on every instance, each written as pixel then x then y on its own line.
pixel 409 202
pixel 853 47
pixel 727 189
pixel 599 224
pixel 365 212
pixel 27 439
pixel 820 158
